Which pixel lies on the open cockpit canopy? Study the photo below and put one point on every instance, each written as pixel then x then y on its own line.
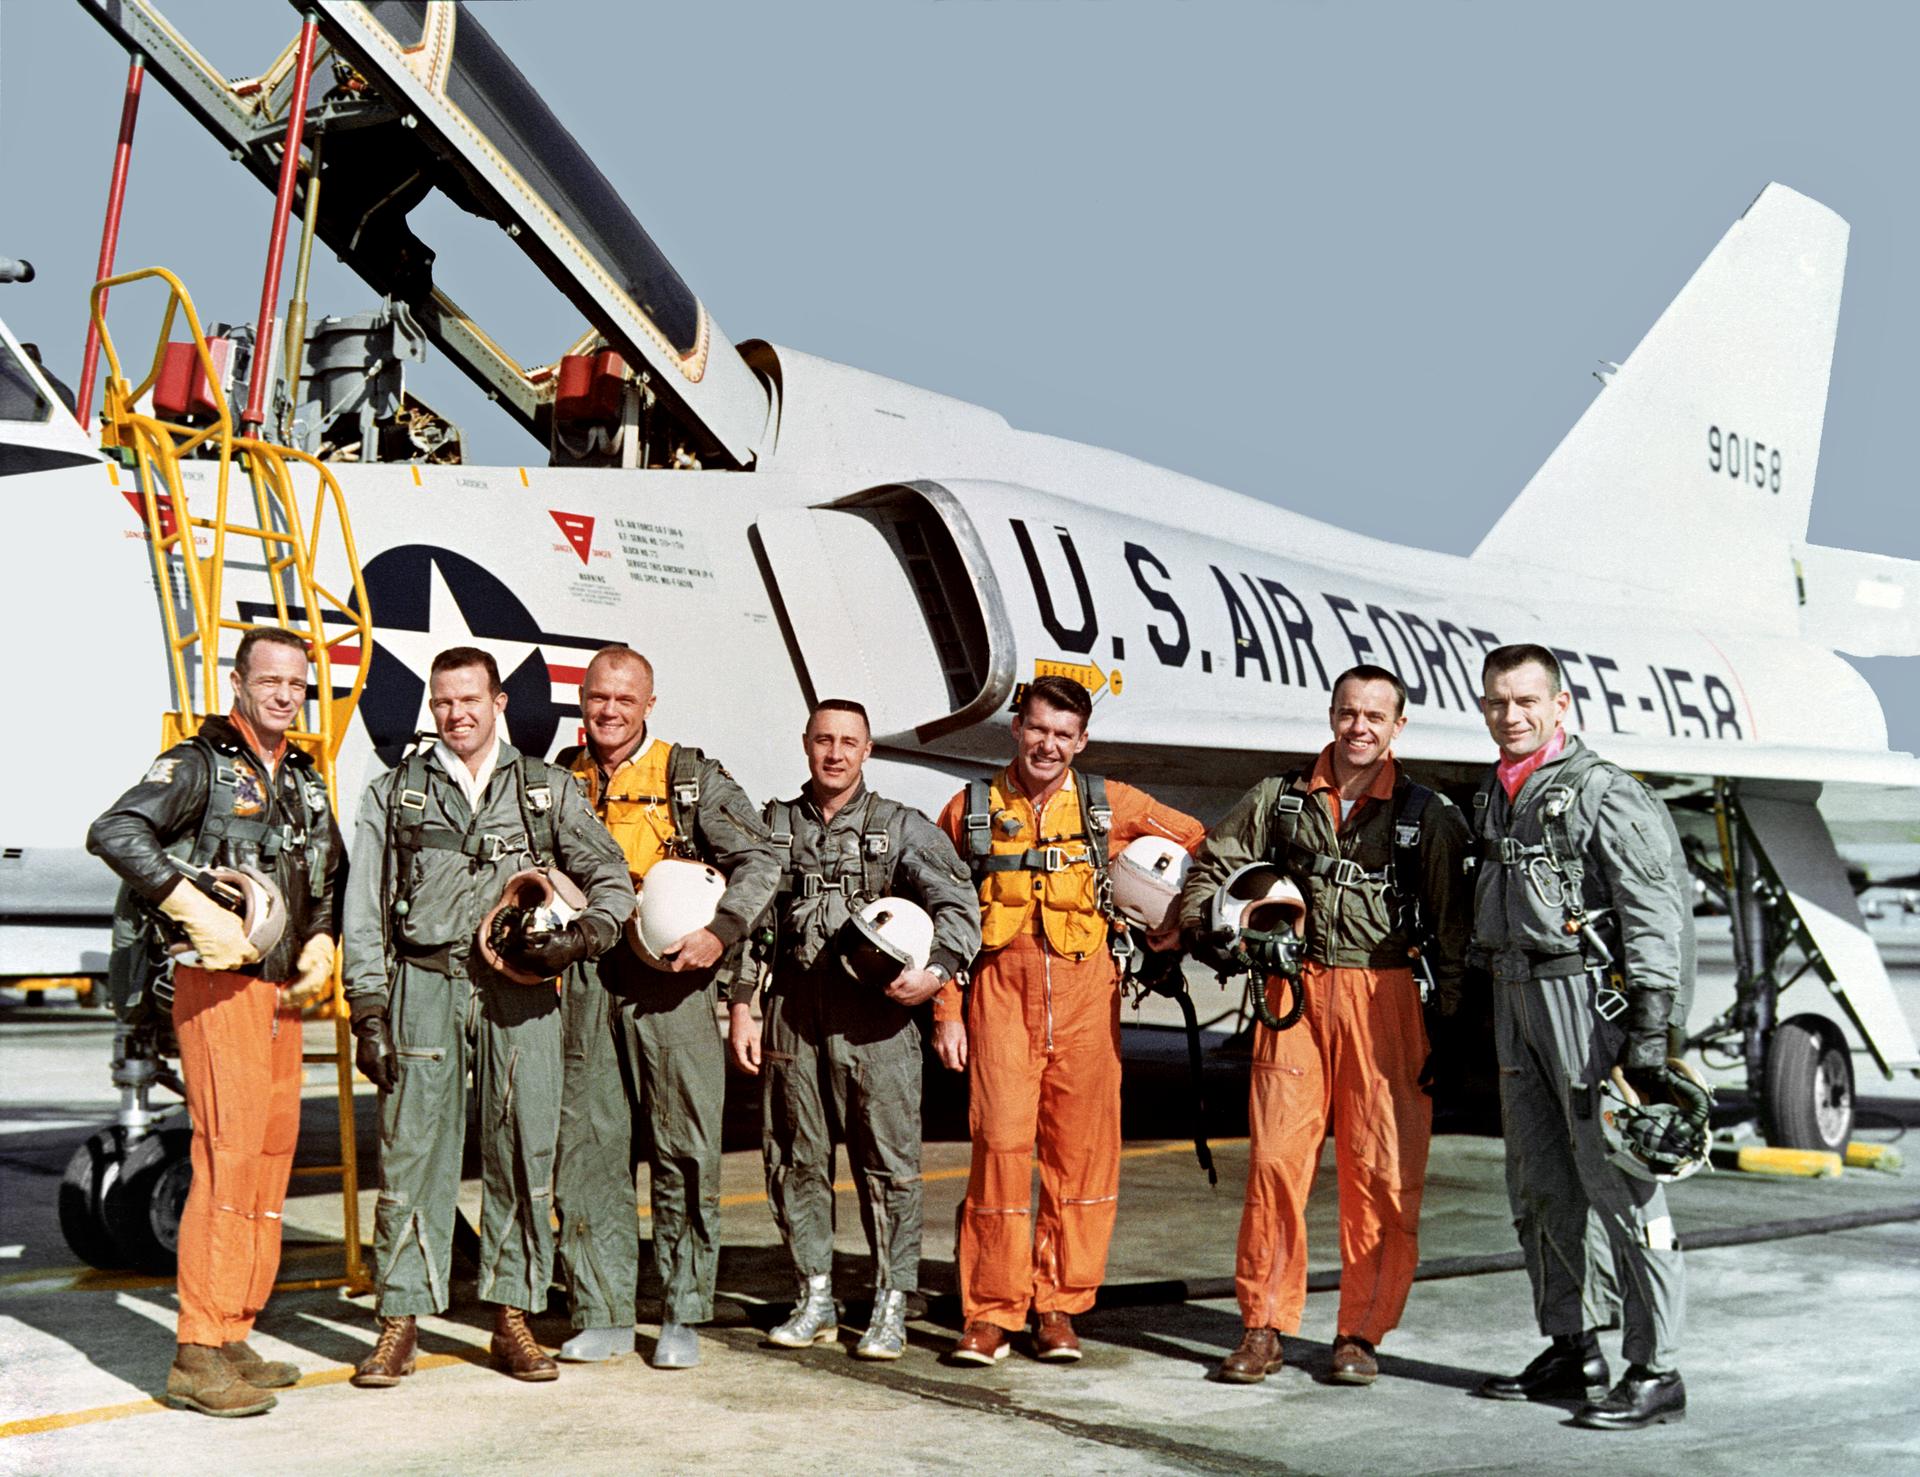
pixel 411 97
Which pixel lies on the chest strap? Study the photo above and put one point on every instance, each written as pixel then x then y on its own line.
pixel 876 854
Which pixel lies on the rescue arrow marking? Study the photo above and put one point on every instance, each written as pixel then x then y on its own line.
pixel 1086 674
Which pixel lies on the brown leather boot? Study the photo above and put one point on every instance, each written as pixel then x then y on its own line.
pixel 202 1380
pixel 1054 1340
pixel 516 1350
pixel 262 1374
pixel 1353 1361
pixel 392 1358
pixel 1257 1357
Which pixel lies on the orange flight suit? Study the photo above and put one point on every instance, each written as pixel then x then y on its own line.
pixel 1356 1054
pixel 1043 1039
pixel 240 1058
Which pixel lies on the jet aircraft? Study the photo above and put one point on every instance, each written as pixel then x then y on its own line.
pixel 771 527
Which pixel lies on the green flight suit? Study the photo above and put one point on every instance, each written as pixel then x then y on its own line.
pixel 1562 1022
pixel 646 1077
pixel 451 1015
pixel 839 1061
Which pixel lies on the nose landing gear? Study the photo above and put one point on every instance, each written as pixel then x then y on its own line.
pixel 125 1188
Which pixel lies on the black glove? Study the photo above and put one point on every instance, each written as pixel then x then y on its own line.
pixel 1645 1023
pixel 554 952
pixel 1277 953
pixel 373 1051
pixel 1214 948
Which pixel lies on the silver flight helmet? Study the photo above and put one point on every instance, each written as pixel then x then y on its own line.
pixel 251 896
pixel 1660 1141
pixel 1261 897
pixel 533 902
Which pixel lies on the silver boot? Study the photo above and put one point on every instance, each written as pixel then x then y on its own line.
pixel 886 1335
pixel 814 1319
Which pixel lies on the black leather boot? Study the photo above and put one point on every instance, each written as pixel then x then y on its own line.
pixel 1570 1368
pixel 1642 1398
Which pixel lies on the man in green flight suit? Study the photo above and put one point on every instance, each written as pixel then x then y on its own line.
pixel 842 1058
pixel 436 840
pixel 1582 912
pixel 644 1063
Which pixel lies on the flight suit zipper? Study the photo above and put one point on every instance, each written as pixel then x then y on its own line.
pixel 1046 975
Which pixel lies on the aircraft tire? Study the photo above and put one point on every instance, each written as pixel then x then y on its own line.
pixel 92 1171
pixel 143 1207
pixel 1809 1086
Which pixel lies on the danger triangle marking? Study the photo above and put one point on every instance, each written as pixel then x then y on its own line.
pixel 164 504
pixel 579 532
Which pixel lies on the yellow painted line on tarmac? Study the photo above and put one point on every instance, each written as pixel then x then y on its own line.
pixel 338 1374
pixel 35 1425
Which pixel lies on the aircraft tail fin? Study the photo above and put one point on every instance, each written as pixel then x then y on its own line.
pixel 1691 476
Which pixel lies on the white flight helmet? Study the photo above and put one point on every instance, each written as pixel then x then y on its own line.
pixel 1259 896
pixel 252 896
pixel 533 902
pixel 1147 878
pixel 884 940
pixel 676 897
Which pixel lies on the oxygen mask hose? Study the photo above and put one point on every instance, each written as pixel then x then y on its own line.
pixel 512 929
pixel 1279 956
pixel 1159 972
pixel 1196 1070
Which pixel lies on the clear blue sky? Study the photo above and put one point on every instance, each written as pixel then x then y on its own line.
pixel 1354 259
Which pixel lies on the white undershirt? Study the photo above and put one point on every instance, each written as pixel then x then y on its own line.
pixel 472 785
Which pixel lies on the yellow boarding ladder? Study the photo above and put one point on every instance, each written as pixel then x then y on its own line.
pixel 190 574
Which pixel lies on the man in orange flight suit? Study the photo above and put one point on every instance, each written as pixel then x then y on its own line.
pixel 1378 860
pixel 241 796
pixel 1042 1027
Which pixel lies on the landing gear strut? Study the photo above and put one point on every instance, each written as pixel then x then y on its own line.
pixel 1799 1071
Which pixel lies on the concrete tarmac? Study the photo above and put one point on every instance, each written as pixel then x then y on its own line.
pixel 1798 1355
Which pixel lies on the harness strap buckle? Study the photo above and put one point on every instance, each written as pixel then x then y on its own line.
pixel 1348 873
pixel 1608 1002
pixel 488 848
pixel 1052 859
pixel 412 800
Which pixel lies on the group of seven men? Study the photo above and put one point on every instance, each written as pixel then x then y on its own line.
pixel 587 1054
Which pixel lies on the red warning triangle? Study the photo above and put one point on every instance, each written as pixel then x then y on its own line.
pixel 579 532
pixel 163 503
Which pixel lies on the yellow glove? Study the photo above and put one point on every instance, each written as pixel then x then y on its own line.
pixel 219 937
pixel 315 974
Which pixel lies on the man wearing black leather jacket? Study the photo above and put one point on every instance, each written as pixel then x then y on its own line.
pixel 235 795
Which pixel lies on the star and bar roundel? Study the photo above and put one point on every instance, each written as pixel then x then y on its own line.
pixel 426 599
